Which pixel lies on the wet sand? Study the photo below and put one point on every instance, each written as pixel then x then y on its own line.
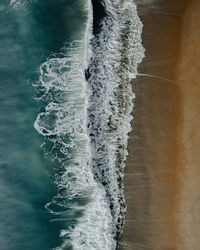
pixel 188 170
pixel 162 173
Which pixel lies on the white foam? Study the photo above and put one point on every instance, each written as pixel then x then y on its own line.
pixel 18 3
pixel 88 125
pixel 64 123
pixel 117 52
pixel 94 228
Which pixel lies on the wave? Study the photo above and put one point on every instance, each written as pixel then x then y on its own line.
pixel 87 95
pixel 117 51
pixel 64 125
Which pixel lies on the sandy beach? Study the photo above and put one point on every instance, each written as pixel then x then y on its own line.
pixel 162 173
pixel 188 169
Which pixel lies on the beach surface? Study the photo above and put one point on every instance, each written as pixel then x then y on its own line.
pixel 188 169
pixel 162 173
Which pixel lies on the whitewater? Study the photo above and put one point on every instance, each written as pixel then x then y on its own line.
pixel 86 100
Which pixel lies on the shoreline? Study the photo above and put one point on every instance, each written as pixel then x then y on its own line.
pixel 150 173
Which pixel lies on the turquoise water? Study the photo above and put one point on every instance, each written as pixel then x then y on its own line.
pixel 29 34
pixel 65 108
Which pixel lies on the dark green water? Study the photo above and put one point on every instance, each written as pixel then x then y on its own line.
pixel 62 155
pixel 29 34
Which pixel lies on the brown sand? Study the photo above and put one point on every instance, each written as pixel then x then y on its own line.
pixel 188 80
pixel 162 173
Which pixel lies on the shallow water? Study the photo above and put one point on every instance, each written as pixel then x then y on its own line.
pixel 66 71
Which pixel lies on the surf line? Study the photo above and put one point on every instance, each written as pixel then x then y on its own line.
pixel 86 124
pixel 117 51
pixel 63 123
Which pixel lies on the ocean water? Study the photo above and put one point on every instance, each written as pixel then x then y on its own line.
pixel 66 100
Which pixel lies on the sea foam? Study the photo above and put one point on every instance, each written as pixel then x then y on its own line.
pixel 63 123
pixel 86 123
pixel 117 51
pixel 17 3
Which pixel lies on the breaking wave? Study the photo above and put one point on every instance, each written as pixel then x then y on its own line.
pixel 85 119
pixel 117 51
